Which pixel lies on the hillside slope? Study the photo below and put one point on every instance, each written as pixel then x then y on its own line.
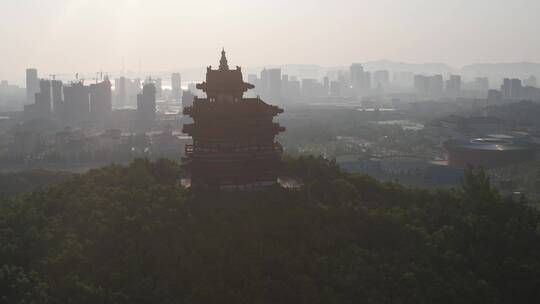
pixel 131 235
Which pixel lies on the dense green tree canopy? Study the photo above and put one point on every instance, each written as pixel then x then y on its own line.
pixel 132 235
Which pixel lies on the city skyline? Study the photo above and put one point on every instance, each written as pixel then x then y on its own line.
pixel 81 36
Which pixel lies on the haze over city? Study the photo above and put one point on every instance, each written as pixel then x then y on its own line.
pixel 270 151
pixel 61 36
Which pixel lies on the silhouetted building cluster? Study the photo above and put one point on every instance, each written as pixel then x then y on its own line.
pixel 435 86
pixel 74 145
pixel 271 85
pixel 75 103
pixel 432 85
pixel 360 84
pixel 70 104
pixel 357 83
pixel 126 91
pixel 512 90
pixel 12 97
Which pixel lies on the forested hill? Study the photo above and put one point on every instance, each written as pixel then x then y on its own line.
pixel 132 235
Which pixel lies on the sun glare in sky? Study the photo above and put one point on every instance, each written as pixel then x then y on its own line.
pixel 62 35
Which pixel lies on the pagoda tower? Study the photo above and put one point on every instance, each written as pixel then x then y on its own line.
pixel 233 137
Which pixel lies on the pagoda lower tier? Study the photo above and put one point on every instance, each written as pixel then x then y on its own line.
pixel 233 143
pixel 223 167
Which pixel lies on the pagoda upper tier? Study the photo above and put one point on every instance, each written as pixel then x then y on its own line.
pixel 223 84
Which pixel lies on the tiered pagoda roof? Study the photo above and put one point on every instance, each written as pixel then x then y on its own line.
pixel 233 137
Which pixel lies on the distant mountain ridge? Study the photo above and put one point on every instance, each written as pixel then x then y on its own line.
pixel 510 69
pixel 495 71
pixel 420 68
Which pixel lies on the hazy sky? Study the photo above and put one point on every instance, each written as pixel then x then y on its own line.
pixel 64 36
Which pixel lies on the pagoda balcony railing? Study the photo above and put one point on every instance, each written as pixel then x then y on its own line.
pixel 188 128
pixel 202 131
pixel 201 107
pixel 187 110
pixel 191 149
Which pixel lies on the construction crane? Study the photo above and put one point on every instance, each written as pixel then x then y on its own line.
pixel 53 76
pixel 77 79
pixel 101 75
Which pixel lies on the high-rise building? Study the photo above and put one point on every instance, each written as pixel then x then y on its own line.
pixel 346 89
pixel 453 85
pixel 293 88
pixel 290 87
pixel 511 89
pixel 381 79
pixel 42 106
pixel 274 85
pixel 100 100
pixel 187 99
pixel 263 83
pixel 326 85
pixel 134 88
pixel 494 97
pixel 159 88
pixel 146 107
pixel 356 72
pixel 76 102
pixel 32 85
pixel 43 98
pixel 436 85
pixel 403 79
pixel 530 82
pixel 309 88
pixel 506 89
pixel 120 91
pixel 284 86
pixel 366 83
pixel 176 86
pixel 8 92
pixel 57 98
pixel 429 85
pixel 360 79
pixel 421 83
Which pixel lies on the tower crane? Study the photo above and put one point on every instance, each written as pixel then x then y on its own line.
pixel 53 76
